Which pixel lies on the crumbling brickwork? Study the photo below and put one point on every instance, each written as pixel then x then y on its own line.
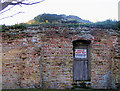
pixel 44 58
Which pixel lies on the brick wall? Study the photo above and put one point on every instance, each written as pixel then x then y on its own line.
pixel 44 58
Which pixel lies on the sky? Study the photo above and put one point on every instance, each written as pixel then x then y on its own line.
pixel 93 10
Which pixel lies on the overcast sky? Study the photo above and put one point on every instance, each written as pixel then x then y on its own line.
pixel 93 10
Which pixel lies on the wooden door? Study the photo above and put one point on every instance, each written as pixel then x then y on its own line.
pixel 81 61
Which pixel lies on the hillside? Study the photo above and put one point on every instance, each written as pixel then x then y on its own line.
pixel 53 18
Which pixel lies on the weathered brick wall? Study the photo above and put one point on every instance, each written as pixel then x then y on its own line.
pixel 102 62
pixel 45 58
pixel 57 62
pixel 21 67
pixel 11 64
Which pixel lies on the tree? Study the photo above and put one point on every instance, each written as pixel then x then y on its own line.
pixel 5 3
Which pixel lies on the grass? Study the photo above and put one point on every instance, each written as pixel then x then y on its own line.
pixel 57 90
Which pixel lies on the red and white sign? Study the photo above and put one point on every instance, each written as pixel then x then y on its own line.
pixel 80 53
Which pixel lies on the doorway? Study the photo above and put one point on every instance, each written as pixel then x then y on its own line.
pixel 81 60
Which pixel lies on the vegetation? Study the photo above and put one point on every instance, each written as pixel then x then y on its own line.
pixel 108 24
pixel 53 18
pixel 16 26
pixel 57 90
pixel 47 18
pixel 3 28
pixel 53 21
pixel 119 25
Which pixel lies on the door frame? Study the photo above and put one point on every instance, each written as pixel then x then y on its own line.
pixel 84 42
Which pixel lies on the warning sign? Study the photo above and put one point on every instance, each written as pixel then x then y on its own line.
pixel 80 53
